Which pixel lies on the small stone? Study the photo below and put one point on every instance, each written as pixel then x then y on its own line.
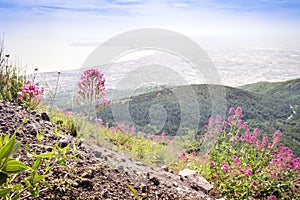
pixel 45 117
pixel 33 112
pixel 155 181
pixel 175 184
pixel 144 189
pixel 64 141
pixel 165 168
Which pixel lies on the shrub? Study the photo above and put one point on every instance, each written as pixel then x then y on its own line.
pixel 242 166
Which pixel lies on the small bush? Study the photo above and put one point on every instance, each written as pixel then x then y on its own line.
pixel 242 166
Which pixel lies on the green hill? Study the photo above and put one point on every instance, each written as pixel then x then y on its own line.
pixel 261 110
pixel 287 90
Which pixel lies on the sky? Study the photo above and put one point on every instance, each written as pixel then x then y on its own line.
pixel 59 35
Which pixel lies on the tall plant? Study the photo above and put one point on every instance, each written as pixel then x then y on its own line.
pixel 11 78
pixel 91 90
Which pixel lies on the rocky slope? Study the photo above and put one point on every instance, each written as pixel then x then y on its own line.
pixel 96 173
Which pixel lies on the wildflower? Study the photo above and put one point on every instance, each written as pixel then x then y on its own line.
pixel 169 141
pixel 258 193
pixel 225 123
pixel 256 132
pixel 249 172
pixel 99 121
pixel 254 182
pixel 193 154
pixel 240 123
pixel 218 119
pixel 163 134
pixel 105 102
pixel 236 159
pixel 225 167
pixel 212 163
pixel 231 110
pixel 230 119
pixel 276 136
pixel 238 111
pixel 210 121
pixel 90 89
pixel 272 197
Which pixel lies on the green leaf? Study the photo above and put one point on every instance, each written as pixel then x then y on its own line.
pixel 16 197
pixel 3 178
pixel 37 163
pixel 4 192
pixel 39 178
pixel 15 148
pixel 57 133
pixel 45 183
pixel 6 150
pixel 26 147
pixel 46 155
pixel 14 166
pixel 134 192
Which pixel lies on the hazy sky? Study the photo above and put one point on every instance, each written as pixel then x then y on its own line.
pixel 59 35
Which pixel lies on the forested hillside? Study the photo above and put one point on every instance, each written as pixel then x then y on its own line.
pixel 264 107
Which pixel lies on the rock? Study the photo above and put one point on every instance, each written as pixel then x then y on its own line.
pixel 175 184
pixel 98 154
pixel 45 117
pixel 155 181
pixel 32 129
pixel 187 172
pixel 165 168
pixel 65 140
pixel 197 182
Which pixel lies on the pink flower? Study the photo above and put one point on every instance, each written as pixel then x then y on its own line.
pixel 254 182
pixel 225 123
pixel 99 121
pixel 105 102
pixel 256 132
pixel 193 154
pixel 249 172
pixel 236 159
pixel 238 111
pixel 225 167
pixel 20 96
pixel 212 163
pixel 231 110
pixel 211 122
pixel 272 197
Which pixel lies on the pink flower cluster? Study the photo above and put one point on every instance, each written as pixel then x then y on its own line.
pixel 91 87
pixel 31 92
pixel 239 154
pixel 159 138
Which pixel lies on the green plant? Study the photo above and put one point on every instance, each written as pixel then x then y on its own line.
pixel 136 194
pixel 9 167
pixel 90 90
pixel 11 78
pixel 242 166
pixel 30 95
pixel 52 92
